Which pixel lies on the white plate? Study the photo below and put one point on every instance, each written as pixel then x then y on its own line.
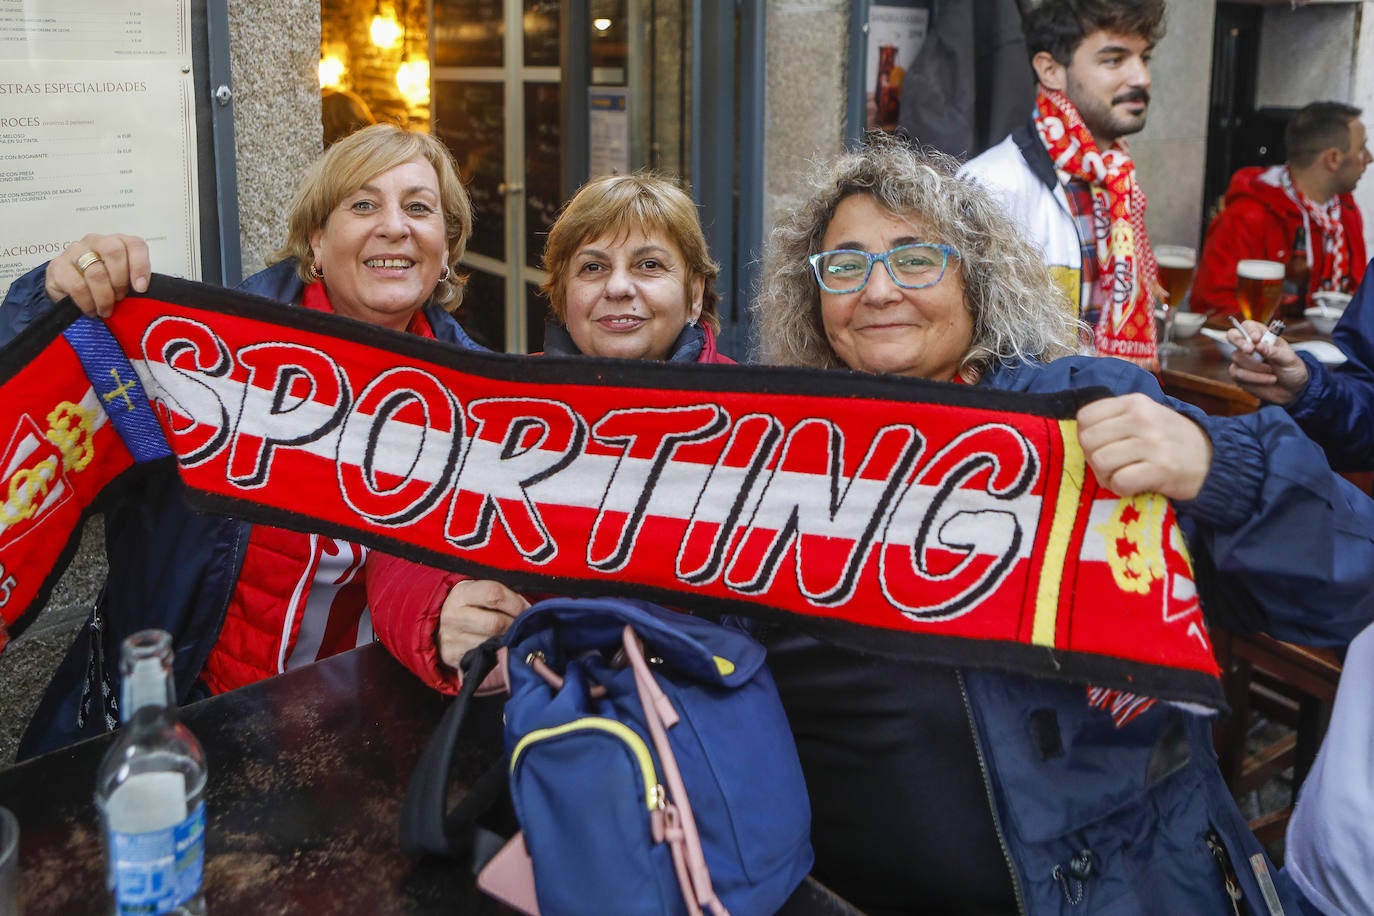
pixel 1326 353
pixel 1219 338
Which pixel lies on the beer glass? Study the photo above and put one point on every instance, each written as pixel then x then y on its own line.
pixel 1258 286
pixel 1176 266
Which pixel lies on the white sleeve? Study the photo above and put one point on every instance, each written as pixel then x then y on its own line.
pixel 1330 844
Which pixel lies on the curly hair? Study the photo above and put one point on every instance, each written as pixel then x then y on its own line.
pixel 347 165
pixel 616 204
pixel 1019 313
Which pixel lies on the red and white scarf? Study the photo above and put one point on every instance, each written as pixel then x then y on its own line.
pixel 670 486
pixel 1128 275
pixel 1327 218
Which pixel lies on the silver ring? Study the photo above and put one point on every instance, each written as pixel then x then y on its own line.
pixel 86 260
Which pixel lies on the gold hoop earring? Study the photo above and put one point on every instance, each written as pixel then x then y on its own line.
pixel 316 272
pixel 443 277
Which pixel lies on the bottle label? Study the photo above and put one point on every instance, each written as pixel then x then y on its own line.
pixel 158 871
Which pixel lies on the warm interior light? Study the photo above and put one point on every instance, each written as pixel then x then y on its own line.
pixel 601 25
pixel 412 78
pixel 331 72
pixel 385 30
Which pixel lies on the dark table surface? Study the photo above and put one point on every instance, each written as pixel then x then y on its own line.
pixel 1198 373
pixel 307 774
pixel 1201 356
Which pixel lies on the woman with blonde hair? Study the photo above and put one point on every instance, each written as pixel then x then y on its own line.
pixel 972 790
pixel 374 233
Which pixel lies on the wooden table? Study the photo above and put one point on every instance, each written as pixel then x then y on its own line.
pixel 1197 374
pixel 307 774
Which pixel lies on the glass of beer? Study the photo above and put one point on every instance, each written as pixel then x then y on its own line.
pixel 1258 287
pixel 1177 264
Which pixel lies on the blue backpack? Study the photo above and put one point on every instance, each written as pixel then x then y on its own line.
pixel 651 767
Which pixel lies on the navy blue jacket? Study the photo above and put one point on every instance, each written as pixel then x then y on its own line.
pixel 1337 406
pixel 170 567
pixel 1279 542
pixel 1282 545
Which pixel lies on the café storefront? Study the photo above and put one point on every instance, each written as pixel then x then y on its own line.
pixel 535 96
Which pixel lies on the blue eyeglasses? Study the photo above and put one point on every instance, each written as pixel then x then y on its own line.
pixel 913 266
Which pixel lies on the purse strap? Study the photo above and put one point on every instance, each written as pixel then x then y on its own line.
pixel 427 827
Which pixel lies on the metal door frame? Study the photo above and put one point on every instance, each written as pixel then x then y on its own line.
pixel 513 76
pixel 729 73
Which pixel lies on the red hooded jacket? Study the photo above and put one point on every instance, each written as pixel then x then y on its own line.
pixel 1259 220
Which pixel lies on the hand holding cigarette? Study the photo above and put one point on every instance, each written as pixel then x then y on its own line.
pixel 1266 367
pixel 1271 334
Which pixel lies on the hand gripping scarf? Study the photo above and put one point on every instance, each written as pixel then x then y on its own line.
pixel 1128 274
pixel 1327 218
pixel 916 520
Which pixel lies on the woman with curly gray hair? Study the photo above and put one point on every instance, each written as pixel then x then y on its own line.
pixel 1016 311
pixel 938 790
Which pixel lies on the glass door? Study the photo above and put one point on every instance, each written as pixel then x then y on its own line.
pixel 496 106
pixel 530 113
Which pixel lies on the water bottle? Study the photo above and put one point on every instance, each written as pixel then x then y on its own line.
pixel 151 790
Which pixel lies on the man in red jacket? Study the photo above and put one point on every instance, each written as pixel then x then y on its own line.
pixel 1266 207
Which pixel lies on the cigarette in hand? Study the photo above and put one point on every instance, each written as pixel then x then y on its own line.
pixel 1235 323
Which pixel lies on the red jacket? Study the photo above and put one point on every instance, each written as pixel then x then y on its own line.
pixel 405 597
pixel 270 597
pixel 1259 221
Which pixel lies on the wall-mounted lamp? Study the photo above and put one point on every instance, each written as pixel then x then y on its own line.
pixel 601 25
pixel 412 78
pixel 331 72
pixel 385 30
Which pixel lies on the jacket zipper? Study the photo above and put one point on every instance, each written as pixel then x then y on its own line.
pixel 992 802
pixel 1228 874
pixel 653 792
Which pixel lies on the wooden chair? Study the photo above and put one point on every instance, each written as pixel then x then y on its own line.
pixel 1289 684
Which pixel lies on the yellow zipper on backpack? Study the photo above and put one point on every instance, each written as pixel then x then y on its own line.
pixel 653 795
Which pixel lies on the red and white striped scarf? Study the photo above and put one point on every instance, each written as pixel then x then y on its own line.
pixel 1327 218
pixel 1128 274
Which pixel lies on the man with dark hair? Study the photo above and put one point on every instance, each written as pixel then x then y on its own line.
pixel 1304 204
pixel 1067 177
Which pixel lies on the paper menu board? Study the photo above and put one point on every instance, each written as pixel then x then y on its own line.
pixel 104 143
pixel 94 29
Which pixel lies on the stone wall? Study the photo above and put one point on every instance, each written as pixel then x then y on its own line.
pixel 1171 152
pixel 275 52
pixel 27 664
pixel 805 96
